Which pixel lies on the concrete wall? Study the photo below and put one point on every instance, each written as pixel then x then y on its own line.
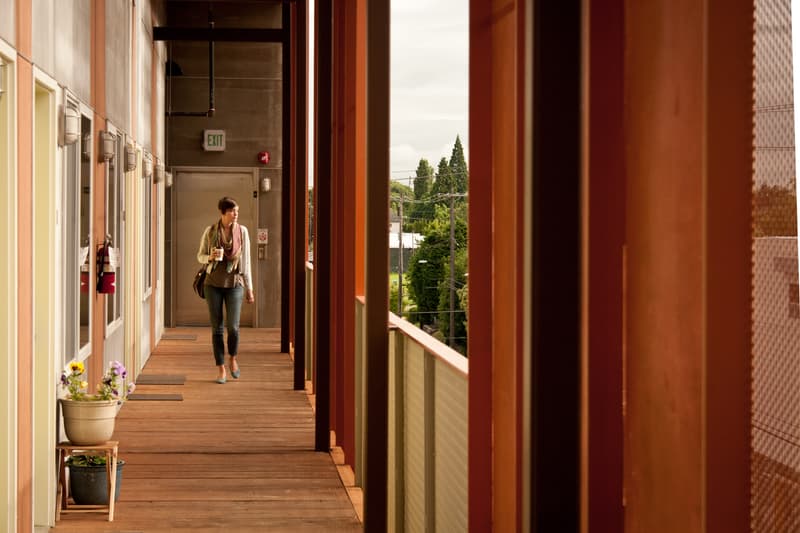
pixel 118 70
pixel 248 103
pixel 62 50
pixel 227 15
pixel 72 46
pixel 144 81
pixel 43 45
pixel 7 28
pixel 247 90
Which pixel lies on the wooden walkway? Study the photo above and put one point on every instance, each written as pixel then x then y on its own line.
pixel 232 457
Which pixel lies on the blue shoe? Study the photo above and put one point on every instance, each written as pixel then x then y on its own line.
pixel 236 373
pixel 221 381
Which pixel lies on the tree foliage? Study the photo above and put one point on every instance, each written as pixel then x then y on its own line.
pixel 774 211
pixel 399 190
pixel 430 263
pixel 423 180
pixel 428 274
pixel 444 180
pixel 458 168
pixel 459 281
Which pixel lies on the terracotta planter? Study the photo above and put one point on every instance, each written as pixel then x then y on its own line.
pixel 89 423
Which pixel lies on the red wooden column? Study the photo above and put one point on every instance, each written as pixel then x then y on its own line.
pixel 688 69
pixel 323 219
pixel 349 122
pixel 496 264
pixel 525 265
pixel 337 212
pixel 291 192
pixel 730 144
pixel 481 289
pixel 287 142
pixel 604 237
pixel 360 148
pixel 376 334
pixel 299 189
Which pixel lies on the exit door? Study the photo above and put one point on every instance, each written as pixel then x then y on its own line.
pixel 195 197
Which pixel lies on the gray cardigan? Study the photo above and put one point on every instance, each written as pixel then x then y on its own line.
pixel 204 252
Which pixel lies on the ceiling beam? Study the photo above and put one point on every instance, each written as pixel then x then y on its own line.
pixel 249 35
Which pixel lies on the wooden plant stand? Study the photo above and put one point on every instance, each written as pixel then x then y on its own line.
pixel 110 450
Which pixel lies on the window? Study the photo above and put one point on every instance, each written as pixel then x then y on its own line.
pixel 147 228
pixel 79 270
pixel 115 231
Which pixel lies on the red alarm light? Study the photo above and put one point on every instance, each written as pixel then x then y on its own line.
pixel 263 157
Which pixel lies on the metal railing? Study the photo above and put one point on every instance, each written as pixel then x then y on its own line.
pixel 428 413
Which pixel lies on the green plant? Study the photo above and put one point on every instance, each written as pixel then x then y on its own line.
pixel 86 460
pixel 111 387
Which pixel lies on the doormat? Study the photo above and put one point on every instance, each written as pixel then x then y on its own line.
pixel 178 337
pixel 160 379
pixel 161 397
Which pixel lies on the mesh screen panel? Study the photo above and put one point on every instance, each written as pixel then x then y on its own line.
pixel 775 467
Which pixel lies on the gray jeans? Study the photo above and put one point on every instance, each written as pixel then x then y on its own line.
pixel 232 298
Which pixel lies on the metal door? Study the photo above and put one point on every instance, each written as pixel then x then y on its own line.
pixel 195 195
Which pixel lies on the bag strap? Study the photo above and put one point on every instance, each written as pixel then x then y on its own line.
pixel 208 245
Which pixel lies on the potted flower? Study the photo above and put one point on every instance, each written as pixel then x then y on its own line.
pixel 89 418
pixel 88 479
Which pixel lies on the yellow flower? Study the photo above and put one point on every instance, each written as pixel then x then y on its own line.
pixel 76 367
pixel 84 384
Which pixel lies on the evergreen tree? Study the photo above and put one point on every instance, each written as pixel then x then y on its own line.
pixel 458 168
pixel 459 281
pixel 421 211
pixel 424 178
pixel 425 270
pixel 430 262
pixel 444 180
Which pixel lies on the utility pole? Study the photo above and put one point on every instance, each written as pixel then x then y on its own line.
pixel 452 268
pixel 400 255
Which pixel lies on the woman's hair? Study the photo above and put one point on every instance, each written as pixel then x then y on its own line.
pixel 226 203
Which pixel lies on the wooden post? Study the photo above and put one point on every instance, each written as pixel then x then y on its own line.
pixel 377 268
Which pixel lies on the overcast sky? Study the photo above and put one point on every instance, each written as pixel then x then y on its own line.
pixel 430 47
pixel 429 69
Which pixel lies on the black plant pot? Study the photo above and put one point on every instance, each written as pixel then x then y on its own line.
pixel 88 485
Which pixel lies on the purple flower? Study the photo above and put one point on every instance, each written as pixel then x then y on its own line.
pixel 118 369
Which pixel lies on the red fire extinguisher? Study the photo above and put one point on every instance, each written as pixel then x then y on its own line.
pixel 84 278
pixel 106 272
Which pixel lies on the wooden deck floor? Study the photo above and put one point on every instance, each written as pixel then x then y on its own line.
pixel 232 457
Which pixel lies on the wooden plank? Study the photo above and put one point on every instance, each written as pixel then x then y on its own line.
pixel 232 457
pixel 151 397
pixel 178 337
pixel 160 379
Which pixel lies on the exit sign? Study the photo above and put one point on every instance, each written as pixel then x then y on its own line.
pixel 214 140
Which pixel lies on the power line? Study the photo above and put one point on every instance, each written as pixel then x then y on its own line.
pixel 458 174
pixel 431 199
pixel 435 312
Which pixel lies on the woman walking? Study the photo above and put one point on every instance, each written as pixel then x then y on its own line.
pixel 225 248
